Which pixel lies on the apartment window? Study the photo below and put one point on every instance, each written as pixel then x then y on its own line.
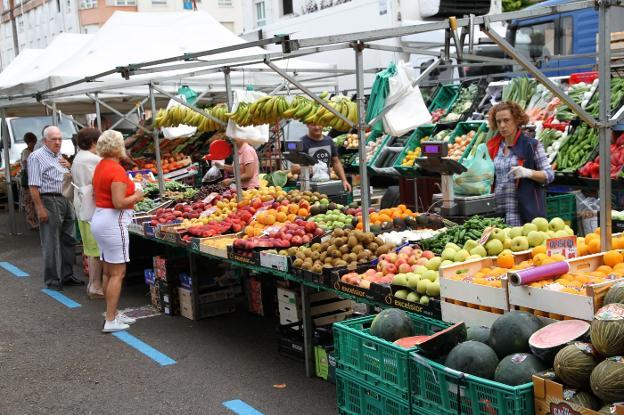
pixel 88 4
pixel 121 2
pixel 260 14
pixel 224 3
pixel 287 7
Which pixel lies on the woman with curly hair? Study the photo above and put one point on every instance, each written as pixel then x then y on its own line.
pixel 521 165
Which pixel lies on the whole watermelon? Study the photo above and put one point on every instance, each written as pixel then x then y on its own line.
pixel 582 398
pixel 478 333
pixel 518 369
pixel 607 330
pixel 474 358
pixel 392 324
pixel 575 363
pixel 510 332
pixel 607 379
pixel 615 294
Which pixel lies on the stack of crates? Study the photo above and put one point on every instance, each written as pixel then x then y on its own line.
pixel 562 206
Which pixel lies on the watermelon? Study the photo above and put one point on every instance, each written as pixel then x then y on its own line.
pixel 510 332
pixel 581 398
pixel 607 379
pixel 437 344
pixel 575 363
pixel 411 342
pixel 392 324
pixel 474 358
pixel 478 333
pixel 615 294
pixel 518 369
pixel 547 341
pixel 607 330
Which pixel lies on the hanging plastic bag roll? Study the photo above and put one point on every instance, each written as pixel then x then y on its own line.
pixel 534 274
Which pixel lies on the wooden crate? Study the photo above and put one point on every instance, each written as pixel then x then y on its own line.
pixel 205 245
pixel 454 313
pixel 568 305
pixel 549 400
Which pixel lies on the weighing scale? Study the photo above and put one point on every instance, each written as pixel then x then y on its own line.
pixel 293 152
pixel 435 160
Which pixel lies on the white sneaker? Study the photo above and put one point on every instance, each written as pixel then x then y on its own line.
pixel 115 325
pixel 125 319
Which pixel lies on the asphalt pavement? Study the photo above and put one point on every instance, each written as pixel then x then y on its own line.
pixel 55 360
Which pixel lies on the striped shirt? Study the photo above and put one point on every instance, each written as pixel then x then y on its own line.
pixel 45 171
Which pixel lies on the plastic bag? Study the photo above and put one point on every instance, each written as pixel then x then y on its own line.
pixel 319 172
pixel 378 95
pixel 212 175
pixel 181 130
pixel 254 135
pixel 478 178
pixel 588 210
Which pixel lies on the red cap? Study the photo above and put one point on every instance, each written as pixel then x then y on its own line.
pixel 219 150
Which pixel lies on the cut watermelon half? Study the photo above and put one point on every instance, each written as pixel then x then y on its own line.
pixel 547 341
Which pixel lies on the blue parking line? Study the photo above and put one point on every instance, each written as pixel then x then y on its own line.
pixel 240 408
pixel 144 348
pixel 63 299
pixel 13 269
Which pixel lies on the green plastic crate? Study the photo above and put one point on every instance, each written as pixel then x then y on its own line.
pixel 439 390
pixel 463 128
pixel 559 205
pixel 370 161
pixel 373 360
pixel 356 398
pixel 414 141
pixel 445 97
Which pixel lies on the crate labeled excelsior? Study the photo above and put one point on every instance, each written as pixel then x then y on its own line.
pixel 355 283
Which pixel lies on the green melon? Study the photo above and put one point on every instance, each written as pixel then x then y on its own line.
pixel 392 324
pixel 607 330
pixel 474 358
pixel 479 333
pixel 510 332
pixel 615 294
pixel 575 363
pixel 581 398
pixel 607 379
pixel 518 369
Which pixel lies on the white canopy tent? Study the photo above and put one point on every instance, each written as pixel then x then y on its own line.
pixel 22 64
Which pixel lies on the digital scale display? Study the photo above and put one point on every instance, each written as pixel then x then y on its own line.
pixel 431 149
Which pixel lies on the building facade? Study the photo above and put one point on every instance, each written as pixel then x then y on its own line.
pixel 94 13
pixel 259 13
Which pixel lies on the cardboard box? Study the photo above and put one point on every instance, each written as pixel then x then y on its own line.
pixel 210 309
pixel 549 399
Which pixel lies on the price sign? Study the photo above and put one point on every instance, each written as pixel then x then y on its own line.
pixel 486 235
pixel 270 230
pixel 210 197
pixel 262 209
pixel 208 211
pixel 565 246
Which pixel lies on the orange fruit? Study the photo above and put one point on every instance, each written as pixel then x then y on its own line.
pixel 597 231
pixel 505 261
pixel 605 268
pixel 612 258
pixel 538 250
pixel 269 219
pixel 594 246
pixel 558 257
pixel 293 209
pixel 539 259
pixel 303 213
pixel 591 237
pixel 281 217
pixel 619 267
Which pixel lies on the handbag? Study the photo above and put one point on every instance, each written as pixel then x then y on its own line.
pixel 68 187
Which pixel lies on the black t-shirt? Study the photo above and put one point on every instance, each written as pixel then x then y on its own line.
pixel 322 150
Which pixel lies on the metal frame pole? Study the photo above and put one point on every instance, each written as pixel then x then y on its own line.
pixel 236 166
pixel 604 89
pixel 161 178
pixel 98 112
pixel 127 114
pixel 105 105
pixel 4 130
pixel 308 346
pixel 67 117
pixel 359 78
pixel 54 115
pixel 189 106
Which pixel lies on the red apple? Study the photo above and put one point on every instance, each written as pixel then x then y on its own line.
pixel 404 268
pixel 428 254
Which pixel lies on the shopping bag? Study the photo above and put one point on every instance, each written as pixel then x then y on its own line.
pixel 478 178
pixel 87 202
pixel 255 135
pixel 377 99
pixel 181 131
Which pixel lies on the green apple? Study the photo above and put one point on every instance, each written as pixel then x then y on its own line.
pixel 519 243
pixel 433 290
pixel 431 275
pixel 494 247
pixel 561 234
pixel 448 253
pixel 412 281
pixel 446 263
pixel 470 245
pixel 461 255
pixel 402 294
pixel 569 230
pixel 424 300
pixel 556 224
pixel 412 297
pixel 541 223
pixel 527 228
pixel 471 257
pixel 400 279
pixel 453 246
pixel 506 251
pixel 422 286
pixel 420 269
pixel 515 231
pixel 498 234
pixel 535 238
pixel 479 250
pixel 507 243
pixel 434 263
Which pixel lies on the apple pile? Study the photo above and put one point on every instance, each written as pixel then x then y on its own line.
pixel 592 168
pixel 235 222
pixel 289 234
pixel 179 212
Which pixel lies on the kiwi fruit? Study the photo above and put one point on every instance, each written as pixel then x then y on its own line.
pixel 338 242
pixel 352 257
pixel 368 253
pixel 379 241
pixel 372 246
pixel 352 242
pixel 336 253
pixel 338 233
pixel 361 255
pixel 345 249
pixel 357 249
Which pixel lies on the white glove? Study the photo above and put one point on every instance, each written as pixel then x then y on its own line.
pixel 519 172
pixel 219 164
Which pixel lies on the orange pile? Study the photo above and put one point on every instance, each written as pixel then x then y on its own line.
pixel 590 244
pixel 270 217
pixel 386 215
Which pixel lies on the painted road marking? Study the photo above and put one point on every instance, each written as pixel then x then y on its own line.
pixel 240 408
pixel 63 299
pixel 13 269
pixel 144 348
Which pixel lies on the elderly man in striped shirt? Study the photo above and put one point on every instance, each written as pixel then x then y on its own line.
pixel 46 169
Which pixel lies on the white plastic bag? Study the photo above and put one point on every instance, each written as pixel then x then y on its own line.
pixel 212 175
pixel 254 135
pixel 87 202
pixel 182 130
pixel 410 110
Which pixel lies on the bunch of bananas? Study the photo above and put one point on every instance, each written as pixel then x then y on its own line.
pixel 179 115
pixel 324 117
pixel 219 112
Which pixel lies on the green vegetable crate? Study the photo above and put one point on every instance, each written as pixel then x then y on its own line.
pixel 374 361
pixel 356 398
pixel 439 390
pixel 414 141
pixel 371 137
pixel 562 206
pixel 578 149
pixel 445 97
pixel 482 136
pixel 465 127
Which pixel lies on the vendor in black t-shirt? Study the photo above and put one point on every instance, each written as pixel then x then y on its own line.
pixel 323 150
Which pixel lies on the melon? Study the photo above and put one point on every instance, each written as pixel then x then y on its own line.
pixel 607 330
pixel 478 333
pixel 607 379
pixel 608 409
pixel 411 342
pixel 518 369
pixel 392 324
pixel 442 342
pixel 575 363
pixel 474 358
pixel 581 398
pixel 615 294
pixel 547 341
pixel 510 332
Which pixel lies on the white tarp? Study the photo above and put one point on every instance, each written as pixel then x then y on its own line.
pixel 22 64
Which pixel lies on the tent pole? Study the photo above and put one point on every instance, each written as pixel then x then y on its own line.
pixel 105 105
pixel 604 89
pixel 236 166
pixel 127 114
pixel 359 77
pixel 161 178
pixel 7 173
pixel 98 112
pixel 54 115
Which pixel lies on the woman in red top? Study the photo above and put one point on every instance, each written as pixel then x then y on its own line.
pixel 115 197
